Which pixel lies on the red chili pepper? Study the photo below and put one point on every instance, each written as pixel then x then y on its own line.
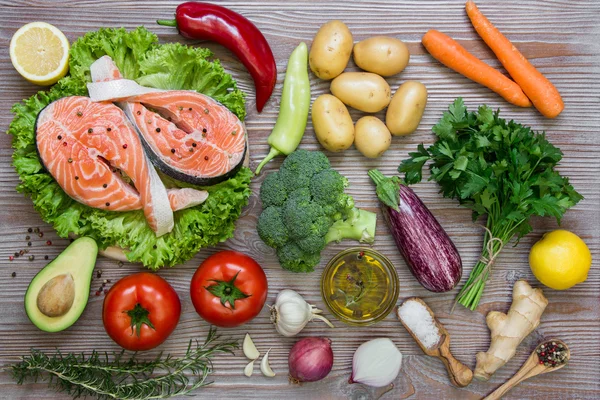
pixel 213 22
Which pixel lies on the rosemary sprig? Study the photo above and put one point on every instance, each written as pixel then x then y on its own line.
pixel 115 376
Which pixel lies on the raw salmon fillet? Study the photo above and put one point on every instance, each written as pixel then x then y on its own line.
pixel 82 143
pixel 188 136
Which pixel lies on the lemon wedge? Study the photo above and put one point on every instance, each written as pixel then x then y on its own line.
pixel 40 53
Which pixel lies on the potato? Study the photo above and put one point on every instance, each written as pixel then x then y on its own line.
pixel 332 123
pixel 362 90
pixel 382 55
pixel 406 108
pixel 371 137
pixel 330 50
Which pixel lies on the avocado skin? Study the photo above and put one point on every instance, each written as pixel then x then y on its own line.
pixel 79 260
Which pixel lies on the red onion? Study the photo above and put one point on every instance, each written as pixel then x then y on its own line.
pixel 310 359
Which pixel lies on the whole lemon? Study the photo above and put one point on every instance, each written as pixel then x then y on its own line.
pixel 560 259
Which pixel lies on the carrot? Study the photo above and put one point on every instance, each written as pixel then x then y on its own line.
pixel 536 86
pixel 447 51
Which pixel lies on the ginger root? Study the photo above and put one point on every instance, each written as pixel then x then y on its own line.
pixel 508 330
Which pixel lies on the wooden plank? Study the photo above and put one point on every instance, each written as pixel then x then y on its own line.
pixel 562 40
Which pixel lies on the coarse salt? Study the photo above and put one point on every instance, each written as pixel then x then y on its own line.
pixel 417 318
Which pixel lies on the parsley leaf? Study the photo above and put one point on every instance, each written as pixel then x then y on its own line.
pixel 497 168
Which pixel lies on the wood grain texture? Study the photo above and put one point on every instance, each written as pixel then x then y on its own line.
pixel 560 37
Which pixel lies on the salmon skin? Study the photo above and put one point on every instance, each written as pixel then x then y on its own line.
pixel 82 143
pixel 188 136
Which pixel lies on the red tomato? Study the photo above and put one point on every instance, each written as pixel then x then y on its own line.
pixel 229 289
pixel 140 311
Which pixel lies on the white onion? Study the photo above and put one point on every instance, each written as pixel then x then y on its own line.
pixel 376 363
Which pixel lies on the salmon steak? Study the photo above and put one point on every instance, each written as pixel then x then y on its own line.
pixel 188 136
pixel 87 146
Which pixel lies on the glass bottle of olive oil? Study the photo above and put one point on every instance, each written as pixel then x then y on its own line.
pixel 360 286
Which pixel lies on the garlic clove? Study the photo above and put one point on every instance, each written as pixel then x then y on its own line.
pixel 376 363
pixel 249 369
pixel 249 348
pixel 265 368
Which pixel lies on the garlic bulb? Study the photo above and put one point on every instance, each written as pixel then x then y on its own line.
pixel 291 313
pixel 376 363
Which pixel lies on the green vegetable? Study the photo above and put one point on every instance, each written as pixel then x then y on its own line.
pixel 499 169
pixel 119 377
pixel 305 208
pixel 293 109
pixel 138 56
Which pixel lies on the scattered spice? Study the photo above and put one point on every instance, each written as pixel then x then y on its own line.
pixel 180 108
pixel 27 237
pixel 108 129
pixel 28 243
pixel 79 114
pixel 64 143
pixel 120 264
pixel 76 178
pixel 193 144
pixel 48 242
pixel 157 129
pixel 191 150
pixel 97 293
pixel 14 274
pixel 16 254
pixel 125 146
pixel 70 160
pixel 206 111
pixel 10 258
pixel 36 230
pixel 29 230
pixel 206 158
pixel 59 137
pixel 46 257
pixel 90 130
pixel 173 151
pixel 22 252
pixel 41 234
pixel 99 274
pixel 31 257
pixel 139 113
pixel 234 133
pixel 107 204
pixel 190 109
pixel 105 186
pixel 203 130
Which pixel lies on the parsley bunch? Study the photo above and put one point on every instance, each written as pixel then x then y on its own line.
pixel 499 169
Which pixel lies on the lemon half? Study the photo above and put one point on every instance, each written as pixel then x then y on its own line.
pixel 40 53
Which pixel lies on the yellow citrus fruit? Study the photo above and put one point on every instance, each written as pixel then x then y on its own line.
pixel 560 259
pixel 40 53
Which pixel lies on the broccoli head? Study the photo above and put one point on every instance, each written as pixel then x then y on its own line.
pixel 305 207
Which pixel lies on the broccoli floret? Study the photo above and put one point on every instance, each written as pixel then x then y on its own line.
pixel 327 188
pixel 305 207
pixel 295 260
pixel 272 191
pixel 302 216
pixel 271 229
pixel 299 167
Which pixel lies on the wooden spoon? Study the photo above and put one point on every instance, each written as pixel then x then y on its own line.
pixel 460 375
pixel 531 368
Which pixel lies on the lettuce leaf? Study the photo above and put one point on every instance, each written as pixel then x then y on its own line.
pixel 138 55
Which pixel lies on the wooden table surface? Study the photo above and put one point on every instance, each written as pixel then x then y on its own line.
pixel 561 38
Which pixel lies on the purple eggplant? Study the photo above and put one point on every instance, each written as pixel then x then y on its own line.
pixel 424 244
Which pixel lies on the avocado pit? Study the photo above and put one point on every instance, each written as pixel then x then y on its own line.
pixel 56 297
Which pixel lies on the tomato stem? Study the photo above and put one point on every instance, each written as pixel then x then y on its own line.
pixel 139 316
pixel 227 291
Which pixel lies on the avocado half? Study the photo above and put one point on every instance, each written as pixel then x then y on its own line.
pixel 58 294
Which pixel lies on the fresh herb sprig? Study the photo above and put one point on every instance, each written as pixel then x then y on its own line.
pixel 115 376
pixel 499 169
